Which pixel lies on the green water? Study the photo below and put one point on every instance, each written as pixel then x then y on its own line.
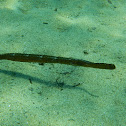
pixel 56 94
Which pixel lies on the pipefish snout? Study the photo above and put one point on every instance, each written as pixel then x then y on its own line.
pixel 20 57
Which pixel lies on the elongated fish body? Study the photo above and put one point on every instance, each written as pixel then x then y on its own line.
pixel 20 57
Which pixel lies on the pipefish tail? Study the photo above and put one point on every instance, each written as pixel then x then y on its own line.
pixel 20 57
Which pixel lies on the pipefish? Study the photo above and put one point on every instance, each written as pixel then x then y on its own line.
pixel 20 57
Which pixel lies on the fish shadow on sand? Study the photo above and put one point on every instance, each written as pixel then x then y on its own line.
pixel 47 83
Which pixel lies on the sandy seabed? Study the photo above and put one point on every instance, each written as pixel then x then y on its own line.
pixel 56 94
